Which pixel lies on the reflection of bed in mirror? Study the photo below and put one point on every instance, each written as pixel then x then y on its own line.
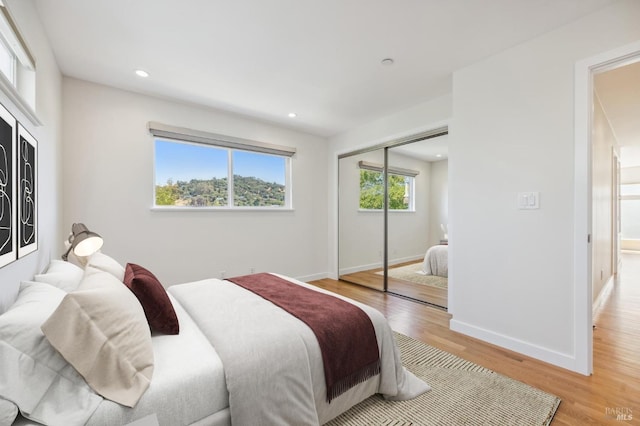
pixel 436 261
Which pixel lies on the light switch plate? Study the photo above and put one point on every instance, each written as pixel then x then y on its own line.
pixel 528 200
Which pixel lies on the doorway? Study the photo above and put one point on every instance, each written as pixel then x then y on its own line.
pixel 617 91
pixel 615 171
pixel 584 269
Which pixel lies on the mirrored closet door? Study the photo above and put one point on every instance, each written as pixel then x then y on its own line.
pixel 361 220
pixel 392 218
pixel 418 200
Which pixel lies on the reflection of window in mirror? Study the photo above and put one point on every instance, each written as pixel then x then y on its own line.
pixel 372 191
pixel 401 187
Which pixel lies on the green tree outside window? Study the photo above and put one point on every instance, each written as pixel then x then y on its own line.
pixel 372 191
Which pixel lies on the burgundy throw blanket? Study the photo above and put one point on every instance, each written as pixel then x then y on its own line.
pixel 345 333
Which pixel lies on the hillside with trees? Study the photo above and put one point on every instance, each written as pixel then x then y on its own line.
pixel 248 191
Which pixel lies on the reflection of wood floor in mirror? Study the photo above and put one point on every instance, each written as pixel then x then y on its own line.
pixel 428 294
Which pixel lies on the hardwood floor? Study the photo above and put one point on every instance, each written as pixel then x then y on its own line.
pixel 614 387
pixel 371 278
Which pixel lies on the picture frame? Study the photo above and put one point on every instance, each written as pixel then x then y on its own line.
pixel 8 200
pixel 27 188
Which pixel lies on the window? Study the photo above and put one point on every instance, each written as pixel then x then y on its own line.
pixel 208 175
pixel 401 187
pixel 17 66
pixel 630 211
pixel 259 180
pixel 7 63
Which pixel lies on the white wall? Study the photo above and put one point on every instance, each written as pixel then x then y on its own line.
pixel 513 130
pixel 429 115
pixel 48 110
pixel 108 184
pixel 438 200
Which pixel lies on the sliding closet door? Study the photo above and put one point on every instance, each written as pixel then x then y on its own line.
pixel 361 219
pixel 417 188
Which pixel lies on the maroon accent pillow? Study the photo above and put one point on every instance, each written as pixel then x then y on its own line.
pixel 153 297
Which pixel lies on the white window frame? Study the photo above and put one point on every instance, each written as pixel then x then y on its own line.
pixel 231 144
pixel 12 62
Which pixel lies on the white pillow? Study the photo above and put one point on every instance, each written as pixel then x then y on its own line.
pixel 8 412
pixel 102 331
pixel 108 264
pixel 35 377
pixel 61 274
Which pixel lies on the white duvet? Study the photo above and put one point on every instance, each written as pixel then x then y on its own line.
pixel 436 261
pixel 272 361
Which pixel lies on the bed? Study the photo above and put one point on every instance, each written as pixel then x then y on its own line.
pixel 436 261
pixel 237 358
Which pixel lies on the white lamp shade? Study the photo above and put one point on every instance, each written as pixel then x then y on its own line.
pixel 88 246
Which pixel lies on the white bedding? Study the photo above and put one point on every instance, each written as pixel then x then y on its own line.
pixel 240 358
pixel 188 385
pixel 436 261
pixel 272 361
pixel 188 381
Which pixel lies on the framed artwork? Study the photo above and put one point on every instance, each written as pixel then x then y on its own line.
pixel 27 192
pixel 8 202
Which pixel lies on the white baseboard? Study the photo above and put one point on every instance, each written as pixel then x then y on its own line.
pixel 529 349
pixel 360 268
pixel 313 277
pixel 604 294
pixel 406 259
pixel 376 265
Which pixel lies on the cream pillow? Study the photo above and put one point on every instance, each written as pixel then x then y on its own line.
pixel 108 264
pixel 102 331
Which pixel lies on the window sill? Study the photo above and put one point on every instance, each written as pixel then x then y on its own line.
pixel 18 100
pixel 221 209
pixel 381 211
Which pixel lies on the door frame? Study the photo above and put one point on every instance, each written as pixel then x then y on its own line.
pixel 583 121
pixel 615 216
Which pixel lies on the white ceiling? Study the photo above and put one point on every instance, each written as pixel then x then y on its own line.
pixel 619 94
pixel 320 59
pixel 434 149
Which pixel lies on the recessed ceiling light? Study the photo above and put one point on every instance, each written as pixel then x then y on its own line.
pixel 387 61
pixel 438 155
pixel 292 115
pixel 142 73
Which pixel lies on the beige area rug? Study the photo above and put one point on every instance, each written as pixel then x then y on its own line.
pixel 412 273
pixel 463 393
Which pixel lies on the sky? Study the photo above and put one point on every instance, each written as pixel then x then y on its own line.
pixel 186 161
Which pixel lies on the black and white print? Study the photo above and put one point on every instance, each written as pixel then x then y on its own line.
pixel 27 193
pixel 8 231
